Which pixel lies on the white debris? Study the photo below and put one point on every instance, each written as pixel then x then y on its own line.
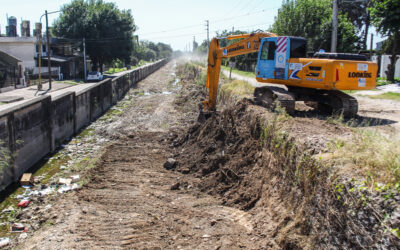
pixel 4 241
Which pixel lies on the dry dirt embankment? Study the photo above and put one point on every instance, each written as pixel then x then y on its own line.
pixel 246 178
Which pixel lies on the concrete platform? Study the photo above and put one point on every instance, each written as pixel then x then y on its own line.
pixel 10 99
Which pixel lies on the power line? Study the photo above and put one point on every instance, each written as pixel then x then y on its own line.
pixel 245 6
pixel 163 31
pixel 211 21
pixel 232 9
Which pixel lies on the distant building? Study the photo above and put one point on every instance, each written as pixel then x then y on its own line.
pixel 64 57
pixel 22 48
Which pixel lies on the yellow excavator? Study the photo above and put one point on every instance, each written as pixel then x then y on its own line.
pixel 282 60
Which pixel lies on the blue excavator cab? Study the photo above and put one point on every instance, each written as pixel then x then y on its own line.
pixel 274 55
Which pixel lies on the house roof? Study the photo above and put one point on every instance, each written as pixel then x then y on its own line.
pixel 8 60
pixel 58 59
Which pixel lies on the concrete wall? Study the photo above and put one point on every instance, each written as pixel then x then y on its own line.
pixel 385 61
pixel 31 130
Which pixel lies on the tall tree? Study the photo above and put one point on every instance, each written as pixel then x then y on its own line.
pixel 312 19
pixel 108 31
pixel 359 15
pixel 385 15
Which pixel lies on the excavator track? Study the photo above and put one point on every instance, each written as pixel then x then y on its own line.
pixel 343 104
pixel 268 97
pixel 333 101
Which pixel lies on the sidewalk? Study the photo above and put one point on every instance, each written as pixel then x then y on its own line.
pixel 20 96
pixel 28 93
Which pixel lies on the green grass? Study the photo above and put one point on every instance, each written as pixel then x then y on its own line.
pixel 69 82
pixel 387 95
pixel 377 156
pixel 235 90
pixel 240 72
pixel 115 70
pixel 380 81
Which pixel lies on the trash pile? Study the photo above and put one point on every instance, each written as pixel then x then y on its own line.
pixel 34 192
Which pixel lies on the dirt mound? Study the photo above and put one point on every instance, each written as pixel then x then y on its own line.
pixel 250 158
pixel 223 148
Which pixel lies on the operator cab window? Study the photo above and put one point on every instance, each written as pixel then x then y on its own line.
pixel 268 51
pixel 298 48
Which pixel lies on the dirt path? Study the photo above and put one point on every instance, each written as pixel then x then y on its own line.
pixel 133 202
pixel 385 113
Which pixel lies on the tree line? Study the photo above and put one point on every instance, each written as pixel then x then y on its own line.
pixel 312 19
pixel 108 32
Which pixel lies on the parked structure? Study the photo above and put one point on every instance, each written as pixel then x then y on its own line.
pixel 11 71
pixel 65 58
pixel 17 53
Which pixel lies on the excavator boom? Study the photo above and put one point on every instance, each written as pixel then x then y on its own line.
pixel 250 43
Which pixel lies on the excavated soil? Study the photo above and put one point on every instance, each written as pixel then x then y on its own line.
pixel 263 164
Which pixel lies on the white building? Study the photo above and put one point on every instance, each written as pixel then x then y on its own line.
pixel 22 48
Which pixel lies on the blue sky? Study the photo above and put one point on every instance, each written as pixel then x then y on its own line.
pixel 174 22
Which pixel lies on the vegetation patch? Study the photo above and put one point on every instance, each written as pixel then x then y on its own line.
pixel 69 82
pixel 376 155
pixel 388 95
pixel 381 81
pixel 235 90
pixel 240 72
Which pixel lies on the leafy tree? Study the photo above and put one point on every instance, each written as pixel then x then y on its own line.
pixel 195 46
pixel 202 49
pixel 359 15
pixel 312 19
pixel 108 31
pixel 385 15
pixel 150 51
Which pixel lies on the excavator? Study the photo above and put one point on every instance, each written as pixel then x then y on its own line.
pixel 282 61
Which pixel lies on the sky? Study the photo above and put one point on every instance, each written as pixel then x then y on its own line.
pixel 174 22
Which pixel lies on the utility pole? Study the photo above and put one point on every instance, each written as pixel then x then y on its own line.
pixel 39 37
pixel 84 58
pixel 370 48
pixel 233 29
pixel 48 49
pixel 208 34
pixel 334 26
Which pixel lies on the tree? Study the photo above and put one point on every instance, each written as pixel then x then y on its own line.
pixel 149 51
pixel 312 19
pixel 385 15
pixel 202 49
pixel 359 15
pixel 108 31
pixel 195 46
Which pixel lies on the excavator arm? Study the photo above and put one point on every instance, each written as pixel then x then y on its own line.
pixel 249 43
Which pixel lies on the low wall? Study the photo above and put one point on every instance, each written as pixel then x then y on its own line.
pixel 31 130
